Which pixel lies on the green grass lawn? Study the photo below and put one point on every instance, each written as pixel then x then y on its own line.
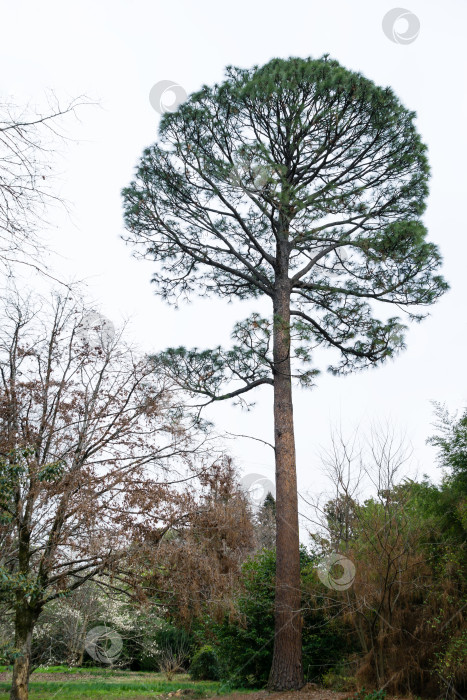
pixel 94 683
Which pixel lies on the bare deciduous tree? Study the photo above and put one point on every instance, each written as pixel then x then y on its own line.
pixel 28 139
pixel 93 447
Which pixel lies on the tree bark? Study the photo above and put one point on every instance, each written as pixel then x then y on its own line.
pixel 287 671
pixel 25 619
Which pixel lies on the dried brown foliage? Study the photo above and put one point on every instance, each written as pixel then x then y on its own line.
pixel 202 555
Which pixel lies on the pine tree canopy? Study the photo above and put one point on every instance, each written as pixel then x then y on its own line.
pixel 299 173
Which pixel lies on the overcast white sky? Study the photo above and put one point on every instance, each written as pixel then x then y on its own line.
pixel 115 51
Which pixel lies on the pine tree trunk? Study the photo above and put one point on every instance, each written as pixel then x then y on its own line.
pixel 286 672
pixel 25 619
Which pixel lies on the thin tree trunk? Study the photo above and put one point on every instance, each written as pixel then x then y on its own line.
pixel 25 620
pixel 286 672
pixel 82 640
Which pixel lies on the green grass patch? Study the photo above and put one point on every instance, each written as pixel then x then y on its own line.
pixel 76 684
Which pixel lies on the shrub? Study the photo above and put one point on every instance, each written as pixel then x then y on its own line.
pixel 174 646
pixel 205 665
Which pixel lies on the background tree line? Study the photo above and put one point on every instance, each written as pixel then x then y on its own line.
pixel 197 581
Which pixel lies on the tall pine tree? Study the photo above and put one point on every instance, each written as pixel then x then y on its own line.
pixel 305 183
